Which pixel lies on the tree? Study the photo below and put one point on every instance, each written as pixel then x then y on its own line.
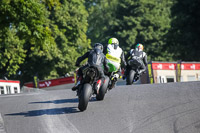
pixel 41 36
pixel 132 22
pixel 24 34
pixel 101 15
pixel 69 23
pixel 183 38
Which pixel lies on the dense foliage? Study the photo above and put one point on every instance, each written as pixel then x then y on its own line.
pixel 45 37
pixel 41 37
pixel 183 38
pixel 132 22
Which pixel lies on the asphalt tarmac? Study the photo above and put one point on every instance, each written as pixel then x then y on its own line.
pixel 157 108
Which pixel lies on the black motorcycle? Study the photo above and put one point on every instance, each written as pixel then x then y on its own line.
pixel 133 74
pixel 132 77
pixel 89 86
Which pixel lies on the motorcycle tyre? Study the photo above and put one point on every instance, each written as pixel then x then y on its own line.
pixel 84 96
pixel 103 89
pixel 129 80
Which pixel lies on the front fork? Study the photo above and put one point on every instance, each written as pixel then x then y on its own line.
pixel 112 85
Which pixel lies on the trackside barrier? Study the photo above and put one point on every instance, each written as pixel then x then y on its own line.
pixel 179 71
pixel 52 82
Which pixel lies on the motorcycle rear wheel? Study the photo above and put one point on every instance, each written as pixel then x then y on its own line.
pixel 129 80
pixel 84 96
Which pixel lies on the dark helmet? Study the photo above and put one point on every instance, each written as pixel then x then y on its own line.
pixel 98 46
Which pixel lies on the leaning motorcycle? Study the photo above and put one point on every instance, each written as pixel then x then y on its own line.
pixel 133 73
pixel 89 86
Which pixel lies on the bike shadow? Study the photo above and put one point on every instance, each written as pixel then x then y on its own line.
pixel 52 111
pixel 40 112
pixel 59 101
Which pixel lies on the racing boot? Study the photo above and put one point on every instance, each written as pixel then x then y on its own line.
pixel 77 84
pixel 140 72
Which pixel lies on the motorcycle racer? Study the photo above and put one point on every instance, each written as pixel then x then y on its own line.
pixel 115 57
pixel 95 58
pixel 136 57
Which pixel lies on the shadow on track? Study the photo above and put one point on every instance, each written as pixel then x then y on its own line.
pixel 53 111
pixel 61 101
pixel 75 100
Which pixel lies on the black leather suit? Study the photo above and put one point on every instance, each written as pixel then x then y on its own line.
pixel 141 57
pixel 95 58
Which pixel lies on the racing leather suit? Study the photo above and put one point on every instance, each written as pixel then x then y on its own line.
pixel 95 58
pixel 115 57
pixel 136 55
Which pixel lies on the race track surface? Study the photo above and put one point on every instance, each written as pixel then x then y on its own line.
pixel 157 108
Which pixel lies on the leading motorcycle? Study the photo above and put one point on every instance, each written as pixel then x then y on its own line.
pixel 133 74
pixel 132 77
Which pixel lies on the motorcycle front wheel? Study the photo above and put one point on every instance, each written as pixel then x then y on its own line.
pixel 130 77
pixel 84 96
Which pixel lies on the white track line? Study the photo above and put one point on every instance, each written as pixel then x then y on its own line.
pixel 2 130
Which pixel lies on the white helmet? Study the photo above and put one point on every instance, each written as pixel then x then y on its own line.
pixel 114 42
